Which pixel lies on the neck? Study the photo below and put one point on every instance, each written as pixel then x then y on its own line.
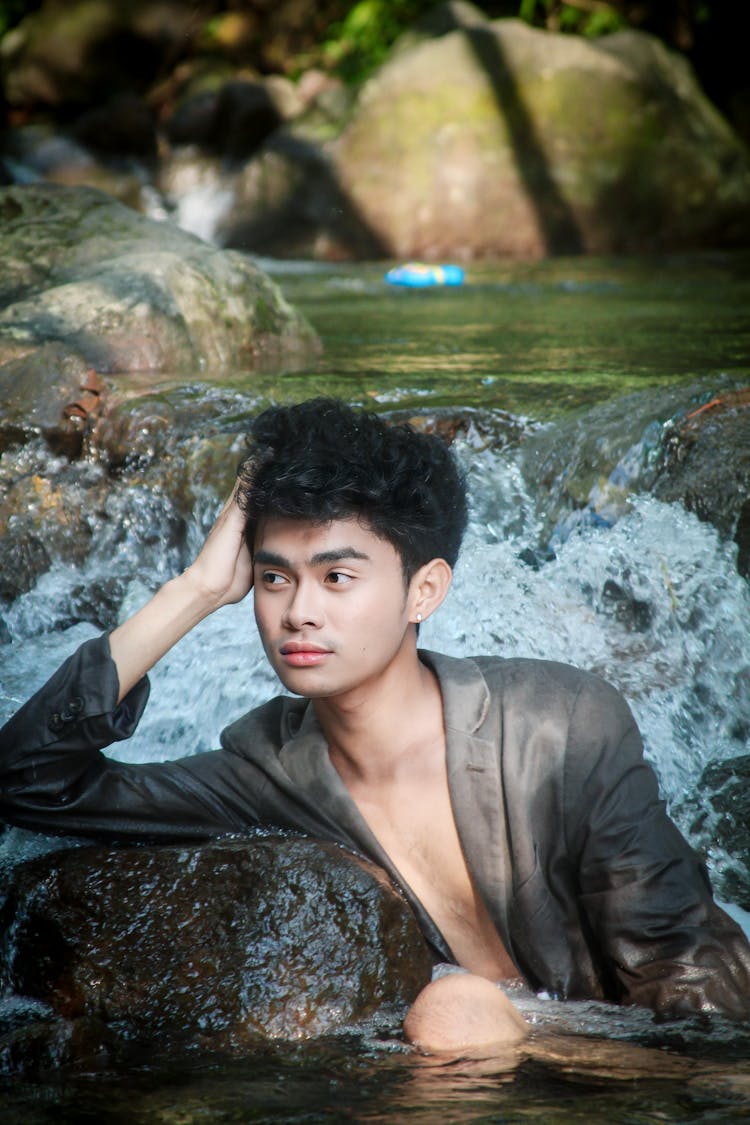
pixel 374 731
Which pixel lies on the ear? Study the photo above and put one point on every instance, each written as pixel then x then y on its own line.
pixel 427 589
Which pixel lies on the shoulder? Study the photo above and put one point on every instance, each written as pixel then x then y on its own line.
pixel 591 708
pixel 265 729
pixel 535 682
pixel 520 701
pixel 520 671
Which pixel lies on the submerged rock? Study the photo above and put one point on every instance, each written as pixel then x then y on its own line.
pixel 215 947
pixel 501 140
pixel 129 294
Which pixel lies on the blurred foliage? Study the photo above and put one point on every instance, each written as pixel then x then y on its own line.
pixel 352 37
pixel 359 42
pixel 13 11
pixel 582 17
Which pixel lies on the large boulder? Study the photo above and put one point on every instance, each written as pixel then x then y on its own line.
pixel 126 293
pixel 215 947
pixel 500 139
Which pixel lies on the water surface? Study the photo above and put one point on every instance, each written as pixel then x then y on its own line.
pixel 578 365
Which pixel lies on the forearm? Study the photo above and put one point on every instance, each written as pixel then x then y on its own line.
pixel 221 574
pixel 149 634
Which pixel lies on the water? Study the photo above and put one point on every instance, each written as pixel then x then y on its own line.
pixel 572 369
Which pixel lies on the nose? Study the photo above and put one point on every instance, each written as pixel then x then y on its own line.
pixel 303 610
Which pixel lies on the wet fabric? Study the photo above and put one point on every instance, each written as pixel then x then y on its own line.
pixel 593 890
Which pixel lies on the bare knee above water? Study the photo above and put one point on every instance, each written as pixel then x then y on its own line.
pixel 462 1011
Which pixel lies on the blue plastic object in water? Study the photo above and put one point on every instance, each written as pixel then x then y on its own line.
pixel 418 275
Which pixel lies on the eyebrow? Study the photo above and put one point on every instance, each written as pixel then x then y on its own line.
pixel 270 558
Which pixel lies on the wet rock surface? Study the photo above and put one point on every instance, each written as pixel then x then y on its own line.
pixel 706 466
pixel 214 948
pixel 686 444
pixel 51 393
pixel 723 798
pixel 126 293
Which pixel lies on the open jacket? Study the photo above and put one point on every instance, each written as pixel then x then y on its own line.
pixel 591 887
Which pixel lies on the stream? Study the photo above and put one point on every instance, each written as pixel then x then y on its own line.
pixel 565 375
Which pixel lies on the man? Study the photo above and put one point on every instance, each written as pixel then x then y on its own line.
pixel 509 799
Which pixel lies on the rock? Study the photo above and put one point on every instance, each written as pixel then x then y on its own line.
pixel 50 393
pixel 124 126
pixel 504 140
pixel 81 52
pixel 723 798
pixel 232 120
pixel 43 517
pixel 287 203
pixel 35 153
pixel 65 433
pixel 440 20
pixel 705 464
pixel 129 294
pixel 213 947
pixel 245 116
pixel 477 429
pixel 689 444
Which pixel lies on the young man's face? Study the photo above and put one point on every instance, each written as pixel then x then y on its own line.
pixel 330 604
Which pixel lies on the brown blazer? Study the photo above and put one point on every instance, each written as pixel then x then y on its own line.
pixel 592 889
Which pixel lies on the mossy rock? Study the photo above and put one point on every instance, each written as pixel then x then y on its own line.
pixel 504 140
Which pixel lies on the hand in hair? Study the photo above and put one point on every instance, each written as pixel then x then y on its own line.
pixel 222 573
pixel 223 570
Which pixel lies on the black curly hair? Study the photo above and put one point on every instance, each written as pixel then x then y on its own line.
pixel 321 460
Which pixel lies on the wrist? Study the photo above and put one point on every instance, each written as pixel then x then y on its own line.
pixel 197 594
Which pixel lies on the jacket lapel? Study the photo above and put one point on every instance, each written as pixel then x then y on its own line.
pixel 474 781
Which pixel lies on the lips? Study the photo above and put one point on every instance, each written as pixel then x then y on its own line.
pixel 303 654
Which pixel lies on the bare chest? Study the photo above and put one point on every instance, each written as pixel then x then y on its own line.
pixel 414 825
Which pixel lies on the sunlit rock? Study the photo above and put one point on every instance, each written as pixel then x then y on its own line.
pixel 130 294
pixel 500 139
pixel 215 947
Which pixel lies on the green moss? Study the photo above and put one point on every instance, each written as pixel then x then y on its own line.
pixel 265 316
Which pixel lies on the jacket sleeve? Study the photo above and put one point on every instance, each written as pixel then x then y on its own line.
pixel 54 778
pixel 643 891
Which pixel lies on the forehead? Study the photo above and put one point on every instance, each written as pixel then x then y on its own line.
pixel 300 540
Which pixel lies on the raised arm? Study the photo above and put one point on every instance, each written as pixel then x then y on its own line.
pixel 221 574
pixel 52 774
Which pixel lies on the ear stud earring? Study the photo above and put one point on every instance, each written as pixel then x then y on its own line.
pixel 419 618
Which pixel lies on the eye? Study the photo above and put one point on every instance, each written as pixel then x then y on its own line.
pixel 272 578
pixel 338 578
